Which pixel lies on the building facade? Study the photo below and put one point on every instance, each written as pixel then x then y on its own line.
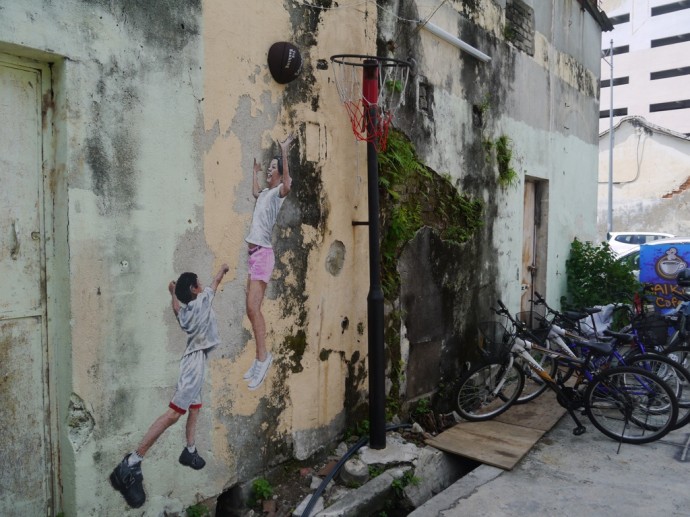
pixel 651 175
pixel 129 135
pixel 651 63
pixel 651 114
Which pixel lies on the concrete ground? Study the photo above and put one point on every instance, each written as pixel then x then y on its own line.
pixel 577 476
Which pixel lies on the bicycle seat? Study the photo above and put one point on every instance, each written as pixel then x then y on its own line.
pixel 621 336
pixel 575 315
pixel 596 347
pixel 592 310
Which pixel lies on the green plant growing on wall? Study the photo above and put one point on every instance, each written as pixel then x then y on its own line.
pixel 415 196
pixel 394 86
pixel 399 484
pixel 488 146
pixel 485 105
pixel 507 175
pixel 595 277
pixel 392 407
pixel 375 471
pixel 421 408
pixel 197 510
pixel 358 430
pixel 509 32
pixel 262 490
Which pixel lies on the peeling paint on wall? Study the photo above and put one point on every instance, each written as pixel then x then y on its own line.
pixel 80 422
pixel 161 108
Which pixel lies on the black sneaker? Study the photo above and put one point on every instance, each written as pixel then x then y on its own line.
pixel 129 481
pixel 192 459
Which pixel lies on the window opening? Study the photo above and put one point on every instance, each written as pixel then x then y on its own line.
pixel 605 83
pixel 621 18
pixel 673 72
pixel 618 112
pixel 671 40
pixel 670 8
pixel 668 106
pixel 623 49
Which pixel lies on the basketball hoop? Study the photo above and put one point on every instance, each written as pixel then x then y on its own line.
pixel 372 96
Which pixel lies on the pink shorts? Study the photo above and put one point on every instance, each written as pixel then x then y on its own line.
pixel 261 263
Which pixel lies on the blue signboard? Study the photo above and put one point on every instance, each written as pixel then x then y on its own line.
pixel 659 266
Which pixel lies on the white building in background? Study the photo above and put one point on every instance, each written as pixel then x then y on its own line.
pixel 651 180
pixel 651 63
pixel 651 117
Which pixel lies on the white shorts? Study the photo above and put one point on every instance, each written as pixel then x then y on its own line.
pixel 190 382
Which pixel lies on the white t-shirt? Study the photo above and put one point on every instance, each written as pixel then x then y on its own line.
pixel 198 320
pixel 265 214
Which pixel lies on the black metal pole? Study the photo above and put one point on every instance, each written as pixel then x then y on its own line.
pixel 377 360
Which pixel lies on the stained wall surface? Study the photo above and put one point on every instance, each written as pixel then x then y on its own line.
pixel 157 113
pixel 651 169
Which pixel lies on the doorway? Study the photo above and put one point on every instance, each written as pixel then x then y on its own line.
pixel 26 481
pixel 534 242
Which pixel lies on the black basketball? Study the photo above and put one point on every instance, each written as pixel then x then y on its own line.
pixel 284 62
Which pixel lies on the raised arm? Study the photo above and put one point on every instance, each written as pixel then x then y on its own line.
pixel 219 276
pixel 175 301
pixel 286 185
pixel 255 180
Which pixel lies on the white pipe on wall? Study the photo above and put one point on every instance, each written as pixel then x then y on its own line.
pixel 438 31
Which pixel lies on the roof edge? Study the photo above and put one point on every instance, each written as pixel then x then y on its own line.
pixel 637 120
pixel 592 7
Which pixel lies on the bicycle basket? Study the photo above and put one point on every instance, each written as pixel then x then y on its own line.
pixel 496 340
pixel 652 329
pixel 536 324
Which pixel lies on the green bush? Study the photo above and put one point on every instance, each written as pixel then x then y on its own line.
pixel 595 277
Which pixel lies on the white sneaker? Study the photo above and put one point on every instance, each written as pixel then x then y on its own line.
pixel 250 373
pixel 260 374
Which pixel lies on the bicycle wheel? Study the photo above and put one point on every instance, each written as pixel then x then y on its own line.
pixel 631 405
pixel 680 354
pixel 488 390
pixel 535 385
pixel 674 375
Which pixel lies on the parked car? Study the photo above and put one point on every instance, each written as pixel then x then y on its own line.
pixel 621 242
pixel 632 256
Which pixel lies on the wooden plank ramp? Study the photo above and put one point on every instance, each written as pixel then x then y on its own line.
pixel 503 441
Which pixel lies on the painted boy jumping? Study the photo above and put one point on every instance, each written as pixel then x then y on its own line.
pixel 191 304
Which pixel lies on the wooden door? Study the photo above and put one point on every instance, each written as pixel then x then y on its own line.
pixel 534 252
pixel 25 455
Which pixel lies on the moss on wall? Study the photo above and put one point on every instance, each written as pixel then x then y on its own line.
pixel 412 197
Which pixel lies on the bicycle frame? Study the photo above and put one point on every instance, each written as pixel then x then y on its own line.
pixel 568 397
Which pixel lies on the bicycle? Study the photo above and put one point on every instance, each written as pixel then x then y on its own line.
pixel 625 403
pixel 668 368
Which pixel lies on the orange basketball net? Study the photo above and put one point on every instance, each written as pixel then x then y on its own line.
pixel 371 89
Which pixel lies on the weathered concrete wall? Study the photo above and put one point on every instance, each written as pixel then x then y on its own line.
pixel 160 109
pixel 651 167
pixel 547 104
